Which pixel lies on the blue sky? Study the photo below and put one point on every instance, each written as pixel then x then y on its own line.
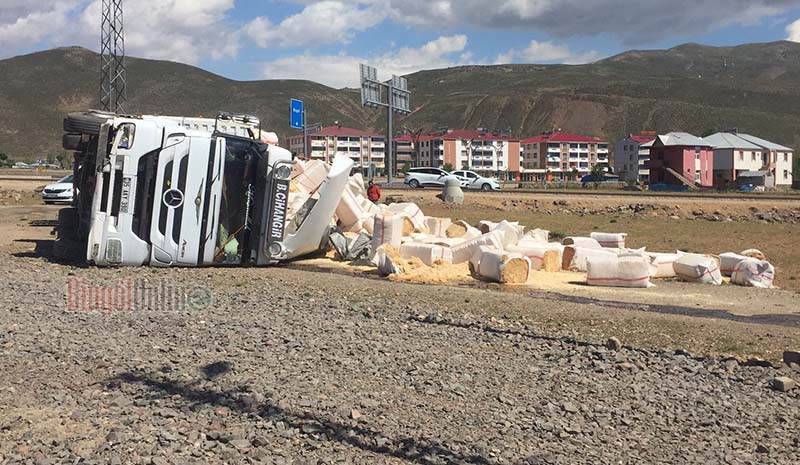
pixel 325 40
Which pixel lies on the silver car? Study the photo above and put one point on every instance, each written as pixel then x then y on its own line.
pixel 427 177
pixel 472 180
pixel 59 192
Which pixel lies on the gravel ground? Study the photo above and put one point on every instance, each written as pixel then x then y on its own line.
pixel 291 367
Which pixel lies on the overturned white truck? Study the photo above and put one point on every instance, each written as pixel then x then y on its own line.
pixel 174 191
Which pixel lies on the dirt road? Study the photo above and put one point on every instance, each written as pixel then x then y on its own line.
pixel 304 364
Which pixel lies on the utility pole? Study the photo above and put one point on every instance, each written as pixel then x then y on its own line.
pixel 113 84
pixel 398 100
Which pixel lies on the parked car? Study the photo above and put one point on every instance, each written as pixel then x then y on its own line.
pixel 59 192
pixel 472 180
pixel 427 177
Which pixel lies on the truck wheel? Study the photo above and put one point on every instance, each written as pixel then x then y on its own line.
pixel 71 141
pixel 414 184
pixel 68 218
pixel 486 187
pixel 68 250
pixel 83 123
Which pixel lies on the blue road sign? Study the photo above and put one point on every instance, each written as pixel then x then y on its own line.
pixel 297 114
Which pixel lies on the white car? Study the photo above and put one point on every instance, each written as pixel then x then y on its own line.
pixel 420 177
pixel 472 180
pixel 59 192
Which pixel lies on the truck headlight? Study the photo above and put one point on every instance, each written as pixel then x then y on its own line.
pixel 283 172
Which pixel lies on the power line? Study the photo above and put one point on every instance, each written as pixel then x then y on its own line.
pixel 113 85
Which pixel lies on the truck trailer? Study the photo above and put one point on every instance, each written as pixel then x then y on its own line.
pixel 175 191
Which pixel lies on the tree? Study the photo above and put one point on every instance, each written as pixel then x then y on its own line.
pixel 598 173
pixel 448 167
pixel 406 167
pixel 3 159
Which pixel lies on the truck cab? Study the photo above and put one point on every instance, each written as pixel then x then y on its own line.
pixel 156 192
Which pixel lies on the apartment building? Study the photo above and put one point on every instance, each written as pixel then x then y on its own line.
pixel 561 155
pixel 489 153
pixel 368 150
pixel 736 153
pixel 680 158
pixel 630 156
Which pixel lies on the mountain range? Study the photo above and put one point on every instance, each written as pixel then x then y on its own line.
pixel 694 88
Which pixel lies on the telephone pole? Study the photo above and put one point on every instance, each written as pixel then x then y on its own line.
pixel 113 86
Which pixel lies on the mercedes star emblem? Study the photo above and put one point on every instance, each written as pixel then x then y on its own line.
pixel 173 198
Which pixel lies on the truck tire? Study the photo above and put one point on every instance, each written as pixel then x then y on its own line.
pixel 71 141
pixel 84 123
pixel 68 218
pixel 68 250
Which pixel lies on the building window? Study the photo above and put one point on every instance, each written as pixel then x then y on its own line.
pixel 741 155
pixel 785 157
pixel 697 176
pixel 752 156
pixel 785 174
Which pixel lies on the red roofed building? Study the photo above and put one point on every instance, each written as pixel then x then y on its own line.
pixel 560 155
pixel 630 155
pixel 368 150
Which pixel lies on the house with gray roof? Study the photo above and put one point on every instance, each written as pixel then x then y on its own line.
pixel 736 153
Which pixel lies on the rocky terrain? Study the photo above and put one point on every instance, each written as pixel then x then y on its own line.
pixel 282 366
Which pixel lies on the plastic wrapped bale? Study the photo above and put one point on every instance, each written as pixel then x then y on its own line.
pixel 534 236
pixel 754 273
pixel 462 229
pixel 753 253
pixel 512 232
pixel 312 175
pixel 610 240
pixel 584 242
pixel 438 226
pixel 543 257
pixel 430 254
pixel 415 218
pixel 575 258
pixel 729 261
pixel 696 268
pixel 486 226
pixel 661 264
pixel 504 267
pixel 388 229
pixel 463 252
pixel 618 271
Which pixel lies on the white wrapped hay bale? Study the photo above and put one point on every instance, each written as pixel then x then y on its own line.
pixel 610 240
pixel 385 262
pixel 512 232
pixel 462 229
pixel 754 273
pixel 430 254
pixel 729 261
pixel 754 253
pixel 486 226
pixel 661 264
pixel 387 229
pixel 584 242
pixel 695 268
pixel 546 257
pixel 504 267
pixel 311 174
pixel 618 271
pixel 438 226
pixel 431 239
pixel 536 236
pixel 463 252
pixel 575 258
pixel 416 219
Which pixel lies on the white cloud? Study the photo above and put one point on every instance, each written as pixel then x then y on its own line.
pixel 323 22
pixel 180 30
pixel 794 31
pixel 342 70
pixel 632 21
pixel 547 52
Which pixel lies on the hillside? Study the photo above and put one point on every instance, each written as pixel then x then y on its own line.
pixel 696 88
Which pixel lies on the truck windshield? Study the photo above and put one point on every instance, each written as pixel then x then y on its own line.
pixel 238 197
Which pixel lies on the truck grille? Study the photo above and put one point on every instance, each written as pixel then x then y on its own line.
pixel 114 251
